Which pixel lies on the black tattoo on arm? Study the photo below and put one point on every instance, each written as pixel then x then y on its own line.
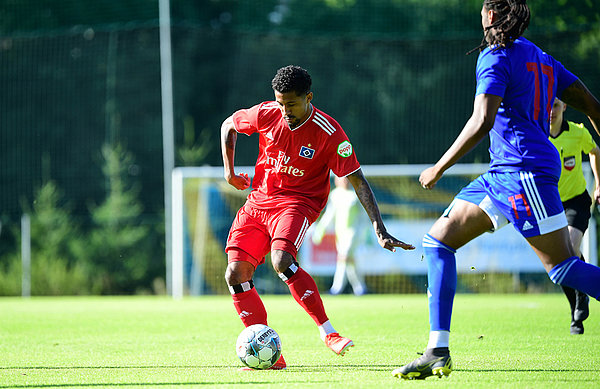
pixel 365 195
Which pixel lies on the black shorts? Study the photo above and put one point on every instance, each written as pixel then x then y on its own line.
pixel 578 211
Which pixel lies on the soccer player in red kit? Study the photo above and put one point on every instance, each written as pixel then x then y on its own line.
pixel 298 147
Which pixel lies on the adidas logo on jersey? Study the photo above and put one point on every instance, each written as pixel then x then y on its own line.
pixel 269 135
pixel 527 226
pixel 307 294
pixel 244 314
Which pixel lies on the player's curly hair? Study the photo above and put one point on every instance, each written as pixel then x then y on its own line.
pixel 513 19
pixel 292 79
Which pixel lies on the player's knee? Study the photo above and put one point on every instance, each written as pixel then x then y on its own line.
pixel 281 260
pixel 235 276
pixel 288 272
pixel 238 272
pixel 231 276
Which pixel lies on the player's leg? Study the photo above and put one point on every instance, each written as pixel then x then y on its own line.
pixel 348 252
pixel 578 301
pixel 339 277
pixel 468 216
pixel 304 290
pixel 538 214
pixel 551 241
pixel 288 228
pixel 246 247
pixel 582 309
pixel 578 213
pixel 464 222
pixel 571 298
pixel 563 266
pixel 343 242
pixel 246 300
pixel 302 286
pixel 355 277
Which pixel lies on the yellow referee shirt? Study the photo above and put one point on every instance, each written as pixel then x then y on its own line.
pixel 573 140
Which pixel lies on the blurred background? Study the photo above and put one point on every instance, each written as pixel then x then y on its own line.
pixel 81 134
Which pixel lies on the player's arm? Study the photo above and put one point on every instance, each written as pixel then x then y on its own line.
pixel 595 165
pixel 578 96
pixel 367 199
pixel 228 141
pixel 477 127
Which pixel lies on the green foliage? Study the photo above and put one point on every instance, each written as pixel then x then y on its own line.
pixel 10 276
pixel 52 276
pixel 119 244
pixel 193 152
pixel 57 268
pixel 589 46
pixel 572 15
pixel 54 232
pixel 28 15
pixel 411 17
pixel 116 256
pixel 120 207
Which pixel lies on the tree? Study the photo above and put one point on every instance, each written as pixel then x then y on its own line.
pixel 57 267
pixel 118 244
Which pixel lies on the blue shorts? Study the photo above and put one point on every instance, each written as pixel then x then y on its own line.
pixel 530 201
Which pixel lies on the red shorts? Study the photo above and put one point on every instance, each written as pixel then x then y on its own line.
pixel 258 231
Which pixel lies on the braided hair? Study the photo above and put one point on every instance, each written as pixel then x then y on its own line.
pixel 513 19
pixel 292 79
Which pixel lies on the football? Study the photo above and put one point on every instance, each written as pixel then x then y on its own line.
pixel 258 346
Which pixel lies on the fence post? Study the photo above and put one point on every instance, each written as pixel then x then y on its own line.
pixel 25 255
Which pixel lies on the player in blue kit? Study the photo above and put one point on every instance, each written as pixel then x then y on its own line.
pixel 516 86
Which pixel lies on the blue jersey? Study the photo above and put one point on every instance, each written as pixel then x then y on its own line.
pixel 528 80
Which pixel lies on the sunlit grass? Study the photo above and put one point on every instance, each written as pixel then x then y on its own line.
pixel 497 341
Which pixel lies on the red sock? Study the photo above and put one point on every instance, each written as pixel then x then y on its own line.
pixel 305 292
pixel 250 307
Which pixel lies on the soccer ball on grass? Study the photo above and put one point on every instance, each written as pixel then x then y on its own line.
pixel 258 346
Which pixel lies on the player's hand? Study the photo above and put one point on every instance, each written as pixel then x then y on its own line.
pixel 239 181
pixel 388 242
pixel 597 195
pixel 429 177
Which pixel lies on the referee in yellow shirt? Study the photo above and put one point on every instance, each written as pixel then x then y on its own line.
pixel 571 140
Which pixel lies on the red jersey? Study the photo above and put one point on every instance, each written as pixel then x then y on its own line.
pixel 293 165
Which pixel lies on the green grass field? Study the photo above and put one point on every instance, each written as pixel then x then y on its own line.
pixel 509 341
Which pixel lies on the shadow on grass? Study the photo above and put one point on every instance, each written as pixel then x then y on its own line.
pixel 125 384
pixel 259 381
pixel 308 368
pixel 290 368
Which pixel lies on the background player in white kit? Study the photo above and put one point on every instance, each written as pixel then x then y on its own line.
pixel 351 231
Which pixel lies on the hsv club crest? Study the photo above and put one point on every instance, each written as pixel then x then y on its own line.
pixel 307 152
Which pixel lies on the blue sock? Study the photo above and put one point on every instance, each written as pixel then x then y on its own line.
pixel 441 277
pixel 578 275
